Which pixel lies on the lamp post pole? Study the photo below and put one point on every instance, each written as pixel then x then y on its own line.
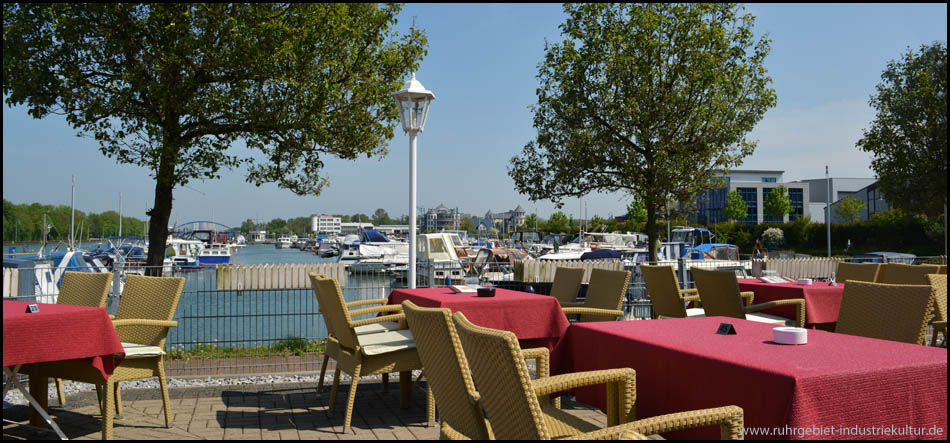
pixel 412 209
pixel 828 210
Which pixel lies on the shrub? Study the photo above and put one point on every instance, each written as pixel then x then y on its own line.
pixel 773 238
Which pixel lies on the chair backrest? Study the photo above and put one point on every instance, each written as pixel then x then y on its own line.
pixel 889 312
pixel 938 285
pixel 332 305
pixel 904 274
pixel 447 371
pixel 719 292
pixel 866 272
pixel 942 270
pixel 606 290
pixel 148 298
pixel 663 290
pixel 84 289
pixel 503 380
pixel 567 283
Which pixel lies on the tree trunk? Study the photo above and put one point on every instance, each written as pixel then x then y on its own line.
pixel 653 230
pixel 161 211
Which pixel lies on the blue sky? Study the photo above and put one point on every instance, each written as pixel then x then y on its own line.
pixel 482 64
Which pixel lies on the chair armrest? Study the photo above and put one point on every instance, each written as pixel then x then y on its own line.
pixel 376 310
pixel 572 305
pixel 940 325
pixel 620 383
pixel 728 418
pixel 692 291
pixel 111 317
pixel 144 322
pixel 593 311
pixel 375 301
pixel 399 318
pixel 748 297
pixel 542 357
pixel 799 313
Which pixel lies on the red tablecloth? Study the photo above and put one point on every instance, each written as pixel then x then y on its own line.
pixel 529 316
pixel 822 301
pixel 59 332
pixel 833 383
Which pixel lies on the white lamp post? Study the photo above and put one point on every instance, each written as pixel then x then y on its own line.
pixel 413 103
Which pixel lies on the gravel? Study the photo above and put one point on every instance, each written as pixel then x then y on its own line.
pixel 14 397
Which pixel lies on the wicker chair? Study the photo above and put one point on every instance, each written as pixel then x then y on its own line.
pixel 669 301
pixel 942 270
pixel 938 284
pixel 866 272
pixel 567 283
pixel 510 399
pixel 363 354
pixel 719 292
pixel 605 295
pixel 82 289
pixel 448 373
pixel 904 274
pixel 888 312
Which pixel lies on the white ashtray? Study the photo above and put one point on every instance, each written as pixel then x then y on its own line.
pixel 790 336
pixel 805 281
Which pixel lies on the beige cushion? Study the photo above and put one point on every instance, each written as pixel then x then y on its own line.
pixel 133 350
pixel 695 312
pixel 771 319
pixel 374 328
pixel 383 342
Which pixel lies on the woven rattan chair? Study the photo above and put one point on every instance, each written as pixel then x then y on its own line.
pixel 82 289
pixel 605 294
pixel 866 272
pixel 669 301
pixel 566 286
pixel 942 269
pixel 363 354
pixel 448 375
pixel 904 274
pixel 938 285
pixel 510 398
pixel 888 312
pixel 719 292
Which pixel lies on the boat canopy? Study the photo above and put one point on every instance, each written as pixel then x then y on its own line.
pixel 374 236
pixel 601 254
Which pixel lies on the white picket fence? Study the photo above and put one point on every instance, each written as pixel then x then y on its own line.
pixel 11 279
pixel 537 271
pixel 812 267
pixel 284 276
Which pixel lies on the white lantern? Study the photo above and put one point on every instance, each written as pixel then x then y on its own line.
pixel 413 102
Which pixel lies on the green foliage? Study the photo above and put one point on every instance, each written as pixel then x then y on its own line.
pixel 735 208
pixel 849 209
pixel 171 86
pixel 291 346
pixel 650 99
pixel 908 136
pixel 25 223
pixel 381 217
pixel 557 223
pixel 636 212
pixel 773 238
pixel 778 204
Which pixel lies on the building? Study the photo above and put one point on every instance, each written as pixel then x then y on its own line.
pixel 394 231
pixel 873 199
pixel 441 217
pixel 326 224
pixel 840 188
pixel 483 225
pixel 754 186
pixel 507 221
pixel 258 236
pixel 354 228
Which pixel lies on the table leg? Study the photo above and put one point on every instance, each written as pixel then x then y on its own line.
pixel 39 389
pixel 39 406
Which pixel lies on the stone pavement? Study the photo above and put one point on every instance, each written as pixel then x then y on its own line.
pixel 258 412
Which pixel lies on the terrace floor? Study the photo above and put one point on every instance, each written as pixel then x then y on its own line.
pixel 258 412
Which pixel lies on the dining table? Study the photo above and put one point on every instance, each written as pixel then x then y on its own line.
pixel 833 386
pixel 822 299
pixel 533 318
pixel 82 337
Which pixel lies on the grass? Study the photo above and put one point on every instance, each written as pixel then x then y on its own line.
pixel 295 346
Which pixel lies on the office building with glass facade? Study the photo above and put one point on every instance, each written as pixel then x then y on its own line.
pixel 754 187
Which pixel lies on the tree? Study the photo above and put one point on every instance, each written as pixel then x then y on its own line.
pixel 849 209
pixel 777 203
pixel 381 217
pixel 649 99
pixel 172 86
pixel 735 208
pixel 248 226
pixel 557 223
pixel 908 136
pixel 467 225
pixel 530 223
pixel 636 212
